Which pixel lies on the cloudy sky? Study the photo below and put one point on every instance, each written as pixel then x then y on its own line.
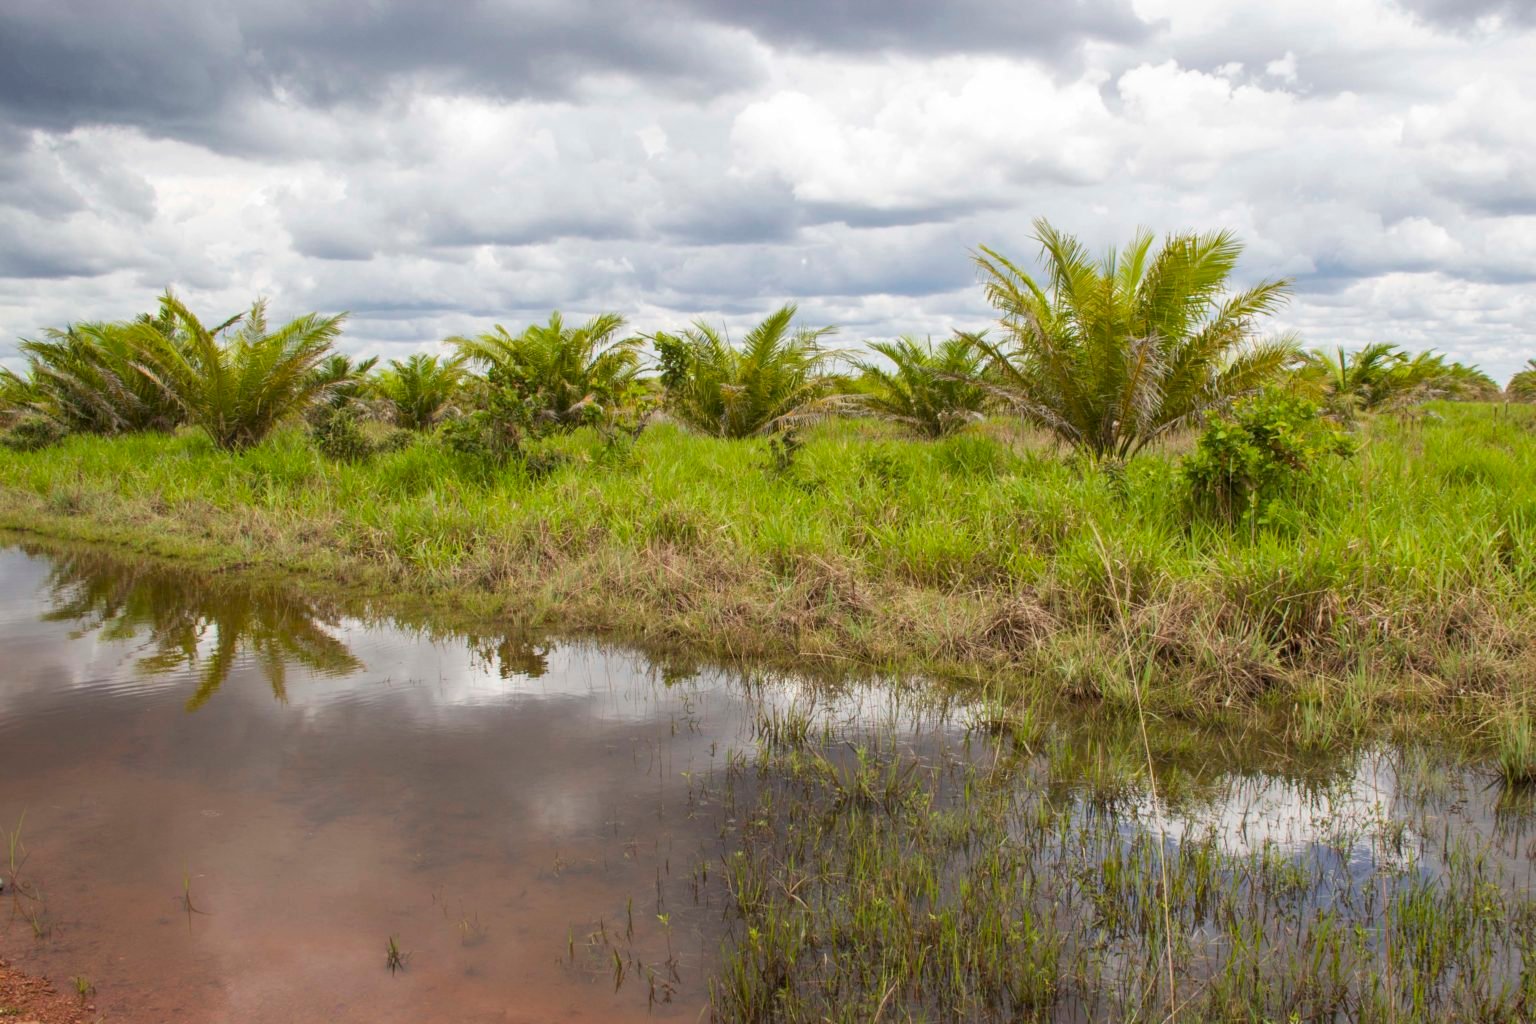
pixel 435 168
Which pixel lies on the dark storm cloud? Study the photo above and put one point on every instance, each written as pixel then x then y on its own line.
pixel 184 69
pixel 159 65
pixel 32 249
pixel 1465 12
pixel 1048 29
pixel 28 181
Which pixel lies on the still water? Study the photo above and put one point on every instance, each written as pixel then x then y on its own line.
pixel 320 785
pixel 227 800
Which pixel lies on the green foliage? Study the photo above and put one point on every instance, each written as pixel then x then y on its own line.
pixel 1268 448
pixel 725 391
pixel 17 394
pixel 338 435
pixel 419 389
pixel 32 433
pixel 933 391
pixel 566 376
pixel 1466 383
pixel 342 380
pixel 494 432
pixel 1522 386
pixel 1112 354
pixel 783 446
pixel 238 380
pixel 1383 376
pixel 89 379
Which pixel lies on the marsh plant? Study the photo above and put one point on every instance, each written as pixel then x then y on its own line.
pixel 395 959
pixel 868 880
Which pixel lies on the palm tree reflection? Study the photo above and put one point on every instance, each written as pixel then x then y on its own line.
pixel 197 622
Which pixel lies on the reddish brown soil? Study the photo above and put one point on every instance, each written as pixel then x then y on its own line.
pixel 28 1000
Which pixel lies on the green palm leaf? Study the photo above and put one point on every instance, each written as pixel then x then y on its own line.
pixel 773 379
pixel 1112 353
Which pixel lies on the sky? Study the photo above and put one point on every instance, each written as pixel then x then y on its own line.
pixel 436 168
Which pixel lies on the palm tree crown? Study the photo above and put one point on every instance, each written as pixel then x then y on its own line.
pixel 87 378
pixel 237 380
pixel 1522 386
pixel 1112 353
pixel 419 388
pixel 932 390
pixel 566 372
pixel 726 391
pixel 1382 375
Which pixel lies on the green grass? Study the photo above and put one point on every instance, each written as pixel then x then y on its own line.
pixel 991 557
pixel 867 882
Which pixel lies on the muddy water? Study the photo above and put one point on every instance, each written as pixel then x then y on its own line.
pixel 320 786
pixel 229 800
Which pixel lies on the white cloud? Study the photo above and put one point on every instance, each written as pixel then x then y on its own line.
pixel 1377 153
pixel 1283 68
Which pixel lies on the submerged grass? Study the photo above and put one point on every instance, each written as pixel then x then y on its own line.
pixel 866 880
pixel 1406 585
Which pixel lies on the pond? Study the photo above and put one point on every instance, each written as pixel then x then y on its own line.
pixel 226 801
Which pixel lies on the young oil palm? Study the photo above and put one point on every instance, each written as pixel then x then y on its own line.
pixel 419 389
pixel 17 396
pixel 344 381
pixel 934 391
pixel 726 391
pixel 1522 386
pixel 565 373
pixel 239 380
pixel 1111 354
pixel 1381 376
pixel 1467 383
pixel 87 379
pixel 1430 375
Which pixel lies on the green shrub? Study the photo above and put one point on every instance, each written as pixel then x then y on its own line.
pixel 32 433
pixel 396 440
pixel 1268 448
pixel 338 435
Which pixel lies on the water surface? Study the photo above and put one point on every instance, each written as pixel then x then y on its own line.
pixel 231 798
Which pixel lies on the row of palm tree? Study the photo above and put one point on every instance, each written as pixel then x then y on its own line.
pixel 1109 353
pixel 1383 376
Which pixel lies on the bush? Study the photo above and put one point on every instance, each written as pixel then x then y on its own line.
pixel 1267 448
pixel 31 433
pixel 338 435
pixel 485 435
